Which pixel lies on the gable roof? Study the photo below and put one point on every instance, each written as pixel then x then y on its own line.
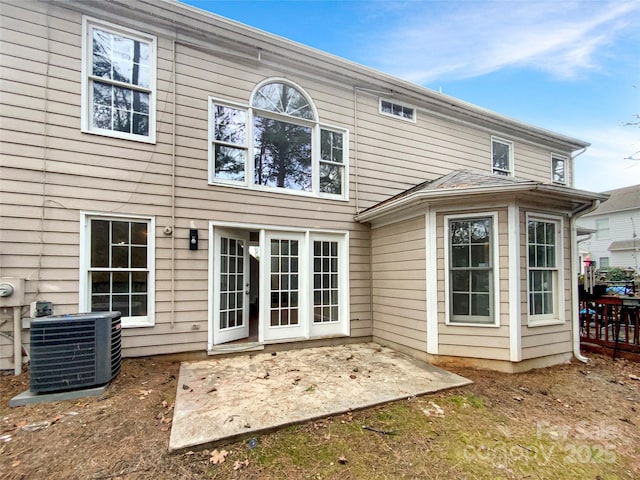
pixel 470 184
pixel 620 199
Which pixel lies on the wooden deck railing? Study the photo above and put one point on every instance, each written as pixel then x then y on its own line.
pixel 611 325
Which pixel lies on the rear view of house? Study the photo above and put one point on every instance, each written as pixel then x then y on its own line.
pixel 226 190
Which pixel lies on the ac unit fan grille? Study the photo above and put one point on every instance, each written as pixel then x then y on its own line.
pixel 74 351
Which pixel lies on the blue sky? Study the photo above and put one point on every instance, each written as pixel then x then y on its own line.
pixel 568 66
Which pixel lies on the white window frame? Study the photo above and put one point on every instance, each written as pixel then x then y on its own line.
pixel 555 157
pixel 510 171
pixel 495 251
pixel 602 261
pixel 413 117
pixel 85 264
pixel 558 315
pixel 86 115
pixel 603 233
pixel 316 129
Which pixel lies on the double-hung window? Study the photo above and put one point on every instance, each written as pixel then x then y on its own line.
pixel 118 267
pixel 502 156
pixel 543 265
pixel 277 144
pixel 471 269
pixel 558 169
pixel 118 82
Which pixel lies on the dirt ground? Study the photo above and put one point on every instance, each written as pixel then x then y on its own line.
pixel 491 429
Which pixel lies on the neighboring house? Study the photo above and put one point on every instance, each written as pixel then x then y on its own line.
pixel 615 242
pixel 218 184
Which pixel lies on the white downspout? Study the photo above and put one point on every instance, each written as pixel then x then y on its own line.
pixel 575 304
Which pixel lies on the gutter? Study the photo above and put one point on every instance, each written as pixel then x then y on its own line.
pixel 575 306
pixel 367 216
pixel 428 195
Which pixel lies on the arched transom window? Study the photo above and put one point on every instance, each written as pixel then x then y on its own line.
pixel 277 143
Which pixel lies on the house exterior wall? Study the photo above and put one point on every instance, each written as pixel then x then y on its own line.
pixel 545 340
pixel 489 342
pixel 398 276
pixel 51 171
pixel 623 225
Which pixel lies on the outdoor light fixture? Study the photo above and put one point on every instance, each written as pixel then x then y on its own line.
pixel 193 239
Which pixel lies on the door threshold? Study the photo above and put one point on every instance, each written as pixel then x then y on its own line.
pixel 235 347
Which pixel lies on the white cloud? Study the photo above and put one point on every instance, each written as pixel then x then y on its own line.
pixel 468 39
pixel 604 166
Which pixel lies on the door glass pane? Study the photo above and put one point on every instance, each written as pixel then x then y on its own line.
pixel 283 283
pixel 231 283
pixel 325 295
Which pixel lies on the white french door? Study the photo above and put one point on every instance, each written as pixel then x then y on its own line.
pixel 328 272
pixel 284 302
pixel 230 285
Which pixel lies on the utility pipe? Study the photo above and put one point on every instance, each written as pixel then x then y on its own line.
pixel 17 341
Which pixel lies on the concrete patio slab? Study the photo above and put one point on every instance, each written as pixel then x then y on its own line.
pixel 221 399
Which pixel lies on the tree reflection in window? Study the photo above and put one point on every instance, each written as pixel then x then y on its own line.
pixel 282 154
pixel 286 148
pixel 471 270
pixel 118 60
pixel 282 98
pixel 230 141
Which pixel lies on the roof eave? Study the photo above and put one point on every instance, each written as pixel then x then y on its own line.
pixel 427 195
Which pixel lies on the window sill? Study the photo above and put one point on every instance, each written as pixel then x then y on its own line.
pixel 137 324
pixel 544 323
pixel 151 139
pixel 297 193
pixel 468 324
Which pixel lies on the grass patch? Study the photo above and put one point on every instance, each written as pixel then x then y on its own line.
pixel 464 443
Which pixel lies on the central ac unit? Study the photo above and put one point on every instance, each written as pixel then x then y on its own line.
pixel 70 352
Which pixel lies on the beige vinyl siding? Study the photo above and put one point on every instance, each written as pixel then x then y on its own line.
pixel 539 341
pixel 51 171
pixel 394 155
pixel 398 279
pixel 471 341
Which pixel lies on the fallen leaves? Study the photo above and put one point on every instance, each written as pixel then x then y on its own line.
pixel 238 465
pixel 143 394
pixel 218 456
